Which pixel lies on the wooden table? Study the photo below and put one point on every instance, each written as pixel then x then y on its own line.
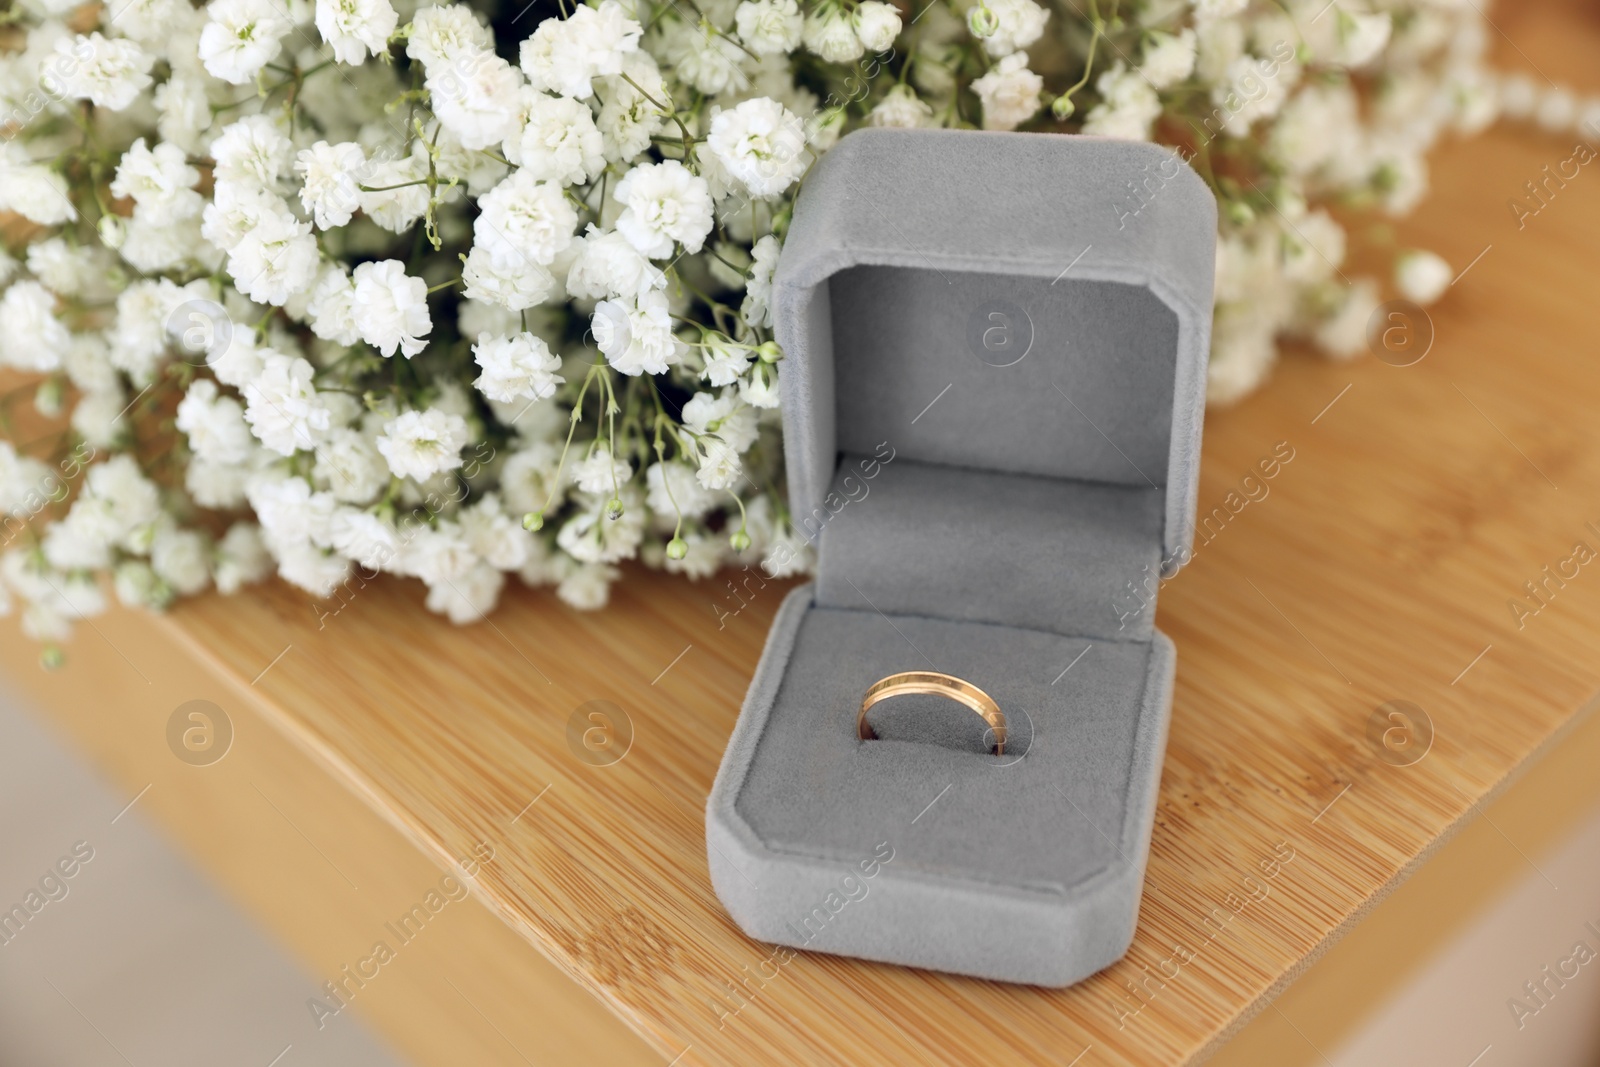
pixel 1419 502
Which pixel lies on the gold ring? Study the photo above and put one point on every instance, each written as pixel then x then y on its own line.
pixel 933 683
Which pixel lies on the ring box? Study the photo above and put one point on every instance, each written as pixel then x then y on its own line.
pixel 995 349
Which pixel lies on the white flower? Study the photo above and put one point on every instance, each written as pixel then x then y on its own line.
pixel 350 466
pixel 600 472
pixel 769 27
pixel 608 266
pixel 185 110
pixel 241 37
pixel 761 144
pixel 475 97
pixel 365 538
pixel 523 220
pixel 97 417
pixel 1313 248
pixel 516 368
pixel 829 34
pixel 1127 106
pixel 160 181
pixel 588 587
pixel 628 118
pixel 592 536
pixel 1218 9
pixel 420 444
pixel 468 597
pixel 34 339
pixel 139 334
pixel 496 537
pixel 331 308
pixel 391 308
pixel 214 485
pixel 564 55
pixel 137 586
pixel 901 107
pixel 1168 58
pixel 253 150
pixel 32 190
pixel 108 72
pixel 721 447
pixel 1361 37
pixel 26 484
pixel 180 558
pixel 760 390
pixel 560 142
pixel 282 405
pixel 235 209
pixel 1252 89
pixel 241 558
pixel 704 59
pixel 757 308
pixel 290 512
pixel 664 203
pixel 310 568
pixel 353 28
pixel 440 33
pixel 674 489
pixel 878 24
pixel 1422 277
pixel 214 424
pixel 1016 25
pixel 1343 334
pixel 724 362
pixel 636 338
pixel 515 289
pixel 275 260
pixel 400 198
pixel 331 184
pixel 1009 92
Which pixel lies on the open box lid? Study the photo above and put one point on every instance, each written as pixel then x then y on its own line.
pixel 1031 306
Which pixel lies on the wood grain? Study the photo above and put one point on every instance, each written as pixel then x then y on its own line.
pixel 1378 568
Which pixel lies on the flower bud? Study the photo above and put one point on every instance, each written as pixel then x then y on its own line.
pixel 739 541
pixel 614 508
pixel 677 548
pixel 50 398
pixel 533 520
pixel 982 22
pixel 1062 108
pixel 769 352
pixel 113 231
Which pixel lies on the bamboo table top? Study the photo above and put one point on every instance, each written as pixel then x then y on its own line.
pixel 1379 566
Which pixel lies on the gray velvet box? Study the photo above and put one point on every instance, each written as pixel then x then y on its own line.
pixel 994 373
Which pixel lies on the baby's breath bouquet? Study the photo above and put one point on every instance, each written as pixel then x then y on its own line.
pixel 326 288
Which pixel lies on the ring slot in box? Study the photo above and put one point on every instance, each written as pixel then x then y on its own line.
pixel 995 350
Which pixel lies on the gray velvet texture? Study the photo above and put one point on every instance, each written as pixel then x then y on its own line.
pixel 981 491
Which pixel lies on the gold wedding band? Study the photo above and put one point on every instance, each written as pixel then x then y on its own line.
pixel 933 683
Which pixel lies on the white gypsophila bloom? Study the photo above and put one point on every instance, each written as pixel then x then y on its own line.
pixel 139 334
pixel 282 405
pixel 240 362
pixel 241 37
pixel 664 203
pixel 592 536
pixel 26 484
pixel 1009 93
pixel 1168 58
pixel 1313 248
pixel 1343 334
pixel 468 597
pixel 1253 89
pixel 600 472
pixel 1422 277
pixel 607 265
pixel 214 424
pixel 350 466
pixel 440 33
pixel 1127 107
pixel 87 363
pixel 371 542
pixel 877 25
pixel 34 338
pixel 1016 25
pixel 152 247
pixel 829 34
pixel 761 144
pixel 316 571
pixel 97 418
pixel 734 424
pixel 420 444
pixel 290 512
pixel 760 390
pixel 234 210
pixel 475 97
pixel 757 307
pixel 515 289
pixel 564 56
pixel 108 72
pixel 902 108
pixel 331 309
pixel 587 587
pixel 241 558
pixel 137 586
pixel 769 27
pixel 674 490
pixel 32 190
pixel 523 220
pixel 152 22
pixel 181 559
pixel 629 118
pixel 391 308
pixel 394 196
pixel 493 535
pixel 560 143
pixel 705 59
pixel 436 554
pixel 253 150
pixel 1361 37
pixel 636 338
pixel 215 485
pixel 184 110
pixel 725 362
pixel 331 176
pixel 160 181
pixel 65 270
pixel 352 28
pixel 521 367
pixel 274 260
pixel 1218 9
